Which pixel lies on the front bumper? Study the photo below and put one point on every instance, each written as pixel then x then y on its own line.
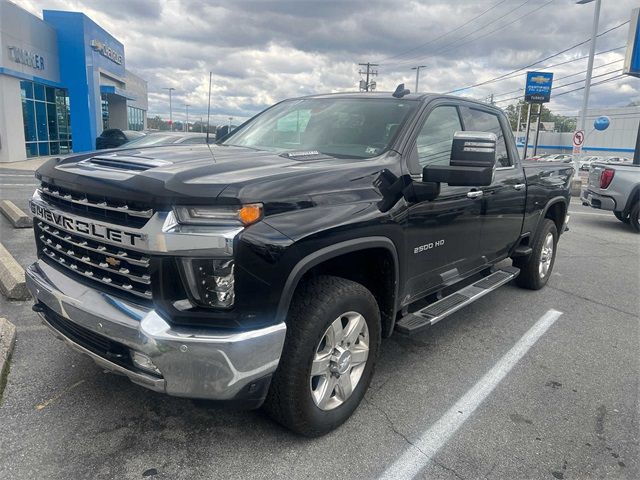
pixel 595 200
pixel 194 363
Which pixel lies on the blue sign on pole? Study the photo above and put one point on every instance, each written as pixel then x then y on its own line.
pixel 632 58
pixel 538 87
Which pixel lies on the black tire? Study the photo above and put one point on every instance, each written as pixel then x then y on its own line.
pixel 315 306
pixel 633 217
pixel 530 276
pixel 620 216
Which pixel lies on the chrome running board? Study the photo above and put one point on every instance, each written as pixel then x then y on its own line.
pixel 436 311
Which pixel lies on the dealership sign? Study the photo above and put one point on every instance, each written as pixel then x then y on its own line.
pixel 25 57
pixel 538 87
pixel 107 52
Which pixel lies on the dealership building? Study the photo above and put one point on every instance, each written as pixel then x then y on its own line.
pixel 63 81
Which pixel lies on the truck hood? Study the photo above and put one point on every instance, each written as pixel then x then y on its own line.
pixel 166 176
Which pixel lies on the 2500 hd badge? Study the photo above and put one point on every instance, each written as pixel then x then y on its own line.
pixel 84 227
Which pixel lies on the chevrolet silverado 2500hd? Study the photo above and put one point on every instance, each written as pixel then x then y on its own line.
pixel 265 269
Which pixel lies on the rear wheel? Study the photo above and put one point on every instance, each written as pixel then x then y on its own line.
pixel 333 337
pixel 622 217
pixel 535 269
pixel 634 217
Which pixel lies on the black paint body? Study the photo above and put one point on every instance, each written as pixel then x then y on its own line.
pixel 322 208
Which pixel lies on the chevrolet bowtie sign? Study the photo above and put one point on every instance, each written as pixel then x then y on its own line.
pixel 106 51
pixel 538 87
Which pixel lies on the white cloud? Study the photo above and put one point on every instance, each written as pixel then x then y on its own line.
pixel 263 51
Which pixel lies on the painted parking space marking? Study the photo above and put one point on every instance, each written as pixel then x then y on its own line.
pixel 593 213
pixel 422 450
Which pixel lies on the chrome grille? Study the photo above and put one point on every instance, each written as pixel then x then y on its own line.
pixel 97 206
pixel 118 268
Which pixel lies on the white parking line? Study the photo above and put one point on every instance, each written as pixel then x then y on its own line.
pixel 18 184
pixel 592 213
pixel 2 175
pixel 418 456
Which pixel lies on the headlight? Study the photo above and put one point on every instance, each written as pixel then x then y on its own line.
pixel 220 215
pixel 210 281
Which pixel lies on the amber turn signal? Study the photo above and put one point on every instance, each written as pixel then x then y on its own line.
pixel 250 213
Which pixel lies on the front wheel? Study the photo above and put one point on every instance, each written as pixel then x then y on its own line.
pixel 333 337
pixel 535 269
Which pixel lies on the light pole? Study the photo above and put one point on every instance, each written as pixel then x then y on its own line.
pixel 171 89
pixel 186 106
pixel 417 69
pixel 592 50
pixel 229 129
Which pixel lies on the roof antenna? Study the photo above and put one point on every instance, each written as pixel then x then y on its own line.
pixel 401 91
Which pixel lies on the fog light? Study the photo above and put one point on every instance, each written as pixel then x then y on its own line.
pixel 210 281
pixel 143 361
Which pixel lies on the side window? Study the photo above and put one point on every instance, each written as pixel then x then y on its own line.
pixel 481 121
pixel 435 138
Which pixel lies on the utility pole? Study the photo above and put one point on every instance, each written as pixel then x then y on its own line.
pixel 171 89
pixel 592 51
pixel 417 69
pixel 369 72
pixel 201 126
pixel 186 106
pixel 229 129
pixel 209 107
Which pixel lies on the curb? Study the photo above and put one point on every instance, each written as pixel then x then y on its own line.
pixel 17 217
pixel 7 342
pixel 12 282
pixel 576 187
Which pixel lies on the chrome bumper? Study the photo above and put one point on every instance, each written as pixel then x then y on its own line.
pixel 195 363
pixel 595 200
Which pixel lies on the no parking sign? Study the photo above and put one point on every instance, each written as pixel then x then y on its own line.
pixel 578 141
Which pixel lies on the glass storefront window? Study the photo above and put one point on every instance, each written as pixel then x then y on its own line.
pixel 47 124
pixel 26 89
pixel 135 118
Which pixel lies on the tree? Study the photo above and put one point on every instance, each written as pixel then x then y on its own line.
pixel 562 123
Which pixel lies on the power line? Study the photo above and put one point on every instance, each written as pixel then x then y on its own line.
pixel 441 47
pixel 562 78
pixel 593 85
pixel 564 85
pixel 500 77
pixel 444 34
pixel 494 30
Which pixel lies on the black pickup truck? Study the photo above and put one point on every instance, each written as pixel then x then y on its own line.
pixel 265 269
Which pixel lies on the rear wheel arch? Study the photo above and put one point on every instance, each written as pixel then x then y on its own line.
pixel 555 210
pixel 345 260
pixel 634 198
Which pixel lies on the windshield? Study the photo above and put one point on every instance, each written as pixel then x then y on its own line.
pixel 341 127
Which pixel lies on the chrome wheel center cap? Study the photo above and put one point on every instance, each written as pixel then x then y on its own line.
pixel 340 361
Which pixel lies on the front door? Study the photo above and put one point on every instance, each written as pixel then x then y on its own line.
pixel 443 235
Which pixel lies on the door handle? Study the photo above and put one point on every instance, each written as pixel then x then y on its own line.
pixel 475 194
pixel 519 186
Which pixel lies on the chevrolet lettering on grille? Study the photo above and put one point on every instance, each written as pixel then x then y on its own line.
pixel 95 230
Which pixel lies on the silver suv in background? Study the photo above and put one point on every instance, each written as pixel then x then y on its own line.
pixel 615 186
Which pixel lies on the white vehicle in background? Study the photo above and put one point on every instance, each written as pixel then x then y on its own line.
pixel 585 162
pixel 560 157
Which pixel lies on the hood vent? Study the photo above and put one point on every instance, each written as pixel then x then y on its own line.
pixel 122 162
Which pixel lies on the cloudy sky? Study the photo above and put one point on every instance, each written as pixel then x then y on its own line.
pixel 263 51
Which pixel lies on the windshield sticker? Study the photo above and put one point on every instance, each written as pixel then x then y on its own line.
pixel 372 150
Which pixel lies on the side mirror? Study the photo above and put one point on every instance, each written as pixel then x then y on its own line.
pixel 472 162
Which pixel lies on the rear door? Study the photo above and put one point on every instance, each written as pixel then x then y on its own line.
pixel 503 201
pixel 443 235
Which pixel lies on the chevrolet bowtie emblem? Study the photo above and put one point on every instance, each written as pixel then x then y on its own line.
pixel 114 262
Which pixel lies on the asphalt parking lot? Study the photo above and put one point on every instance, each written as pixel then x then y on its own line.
pixel 452 401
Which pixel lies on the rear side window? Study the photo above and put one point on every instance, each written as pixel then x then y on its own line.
pixel 481 121
pixel 435 138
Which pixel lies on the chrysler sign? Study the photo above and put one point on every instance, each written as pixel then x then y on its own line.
pixel 25 57
pixel 107 52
